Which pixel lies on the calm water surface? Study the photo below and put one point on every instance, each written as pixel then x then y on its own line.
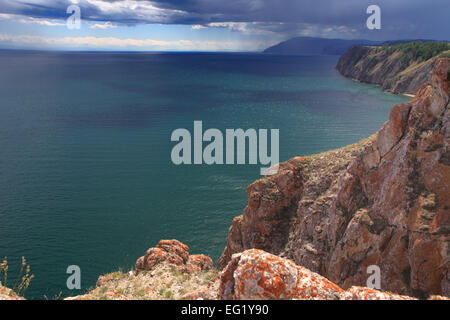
pixel 85 170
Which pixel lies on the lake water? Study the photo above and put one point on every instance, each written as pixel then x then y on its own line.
pixel 86 176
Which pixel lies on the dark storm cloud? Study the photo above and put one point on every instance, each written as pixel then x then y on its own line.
pixel 400 18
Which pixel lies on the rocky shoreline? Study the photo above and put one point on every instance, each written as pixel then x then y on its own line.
pixel 384 202
pixel 169 272
pixel 386 66
pixel 312 230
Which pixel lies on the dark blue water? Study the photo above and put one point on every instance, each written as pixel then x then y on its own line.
pixel 85 171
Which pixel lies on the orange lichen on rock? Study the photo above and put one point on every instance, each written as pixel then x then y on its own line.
pixel 362 293
pixel 199 262
pixel 174 253
pixel 255 274
pixel 258 275
pixel 251 275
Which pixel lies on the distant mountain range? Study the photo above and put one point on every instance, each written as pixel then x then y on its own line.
pixel 323 46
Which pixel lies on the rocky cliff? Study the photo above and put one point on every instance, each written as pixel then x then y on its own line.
pixel 312 230
pixel 169 272
pixel 399 69
pixel 258 275
pixel 384 201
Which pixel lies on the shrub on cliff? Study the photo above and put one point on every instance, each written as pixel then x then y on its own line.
pixel 417 51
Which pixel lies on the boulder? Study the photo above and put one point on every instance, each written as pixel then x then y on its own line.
pixel 258 275
pixel 176 254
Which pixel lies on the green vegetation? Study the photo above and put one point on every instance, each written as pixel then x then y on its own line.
pixel 212 275
pixel 103 290
pixel 140 293
pixel 168 294
pixel 418 51
pixel 118 275
pixel 120 291
pixel 174 271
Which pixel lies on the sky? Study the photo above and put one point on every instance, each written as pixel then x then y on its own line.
pixel 210 25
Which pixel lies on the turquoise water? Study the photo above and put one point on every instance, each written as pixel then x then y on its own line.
pixel 85 170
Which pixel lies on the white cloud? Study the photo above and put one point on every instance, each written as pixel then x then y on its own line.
pixel 198 27
pixel 106 25
pixel 31 20
pixel 128 43
pixel 135 10
pixel 249 28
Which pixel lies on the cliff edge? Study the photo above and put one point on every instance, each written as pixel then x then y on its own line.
pixel 167 271
pixel 312 230
pixel 401 68
pixel 384 201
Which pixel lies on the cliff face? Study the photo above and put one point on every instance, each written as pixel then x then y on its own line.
pixel 386 67
pixel 384 201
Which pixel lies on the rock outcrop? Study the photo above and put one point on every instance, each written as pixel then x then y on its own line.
pixel 385 66
pixel 167 271
pixel 175 253
pixel 250 275
pixel 384 201
pixel 267 217
pixel 258 275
